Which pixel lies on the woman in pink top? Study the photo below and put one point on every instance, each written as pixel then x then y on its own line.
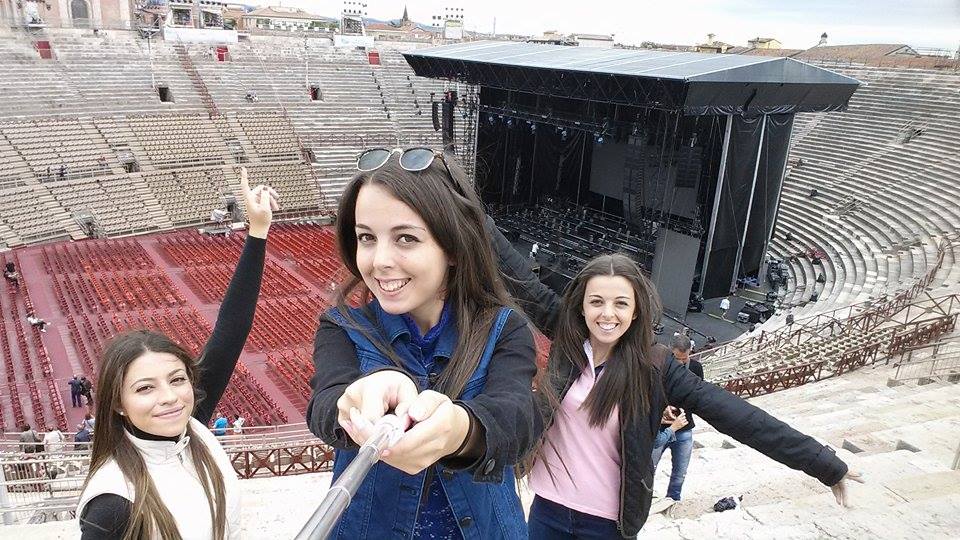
pixel 602 395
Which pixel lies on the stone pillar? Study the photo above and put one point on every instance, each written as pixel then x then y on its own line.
pixel 96 18
pixel 124 7
pixel 66 15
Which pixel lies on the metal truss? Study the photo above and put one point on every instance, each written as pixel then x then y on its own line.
pixel 585 85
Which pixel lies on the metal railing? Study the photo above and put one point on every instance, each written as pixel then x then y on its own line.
pixel 252 436
pixel 938 359
pixel 41 487
pixel 44 486
pixel 937 366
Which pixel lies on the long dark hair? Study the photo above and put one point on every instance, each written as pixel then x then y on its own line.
pixel 149 516
pixel 629 377
pixel 449 206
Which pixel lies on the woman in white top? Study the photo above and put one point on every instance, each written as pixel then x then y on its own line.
pixel 156 471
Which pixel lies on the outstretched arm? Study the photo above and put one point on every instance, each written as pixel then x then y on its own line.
pixel 235 318
pixel 751 425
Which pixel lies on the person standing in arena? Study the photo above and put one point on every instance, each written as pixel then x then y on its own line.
pixel 238 422
pixel 76 390
pixel 220 425
pixel 435 342
pixel 155 470
pixel 86 390
pixel 593 471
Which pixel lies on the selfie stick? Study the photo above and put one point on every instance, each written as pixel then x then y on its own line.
pixel 386 432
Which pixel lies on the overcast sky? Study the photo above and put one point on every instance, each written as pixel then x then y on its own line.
pixel 796 23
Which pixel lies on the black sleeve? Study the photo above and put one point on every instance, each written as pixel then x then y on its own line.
pixel 697 368
pixel 539 302
pixel 234 320
pixel 506 408
pixel 750 425
pixel 335 367
pixel 105 517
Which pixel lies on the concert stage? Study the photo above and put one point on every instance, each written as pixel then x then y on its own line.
pixel 674 158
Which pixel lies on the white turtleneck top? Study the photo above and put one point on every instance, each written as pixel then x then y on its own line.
pixel 171 467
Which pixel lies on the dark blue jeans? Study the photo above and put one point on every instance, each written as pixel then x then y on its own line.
pixel 552 521
pixel 680 451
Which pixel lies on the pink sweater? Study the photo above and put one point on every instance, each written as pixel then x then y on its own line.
pixel 591 455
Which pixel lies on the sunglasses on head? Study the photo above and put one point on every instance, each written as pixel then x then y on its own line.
pixel 411 159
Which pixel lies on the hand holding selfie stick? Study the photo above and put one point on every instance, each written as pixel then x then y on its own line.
pixel 386 432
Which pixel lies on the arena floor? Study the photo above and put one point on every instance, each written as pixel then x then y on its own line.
pixel 88 290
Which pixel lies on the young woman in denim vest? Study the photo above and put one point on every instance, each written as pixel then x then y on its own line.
pixel 602 395
pixel 433 341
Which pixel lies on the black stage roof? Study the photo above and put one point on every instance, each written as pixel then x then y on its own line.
pixel 694 83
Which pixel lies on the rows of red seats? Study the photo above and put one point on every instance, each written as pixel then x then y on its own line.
pixel 131 290
pixel 92 256
pixel 119 291
pixel 288 327
pixel 543 348
pixel 312 249
pixel 246 395
pixel 36 368
pixel 293 368
pixel 121 294
pixel 12 388
pixel 42 360
pixel 302 241
pixel 285 310
pixel 285 322
pixel 210 282
pixel 187 249
pixel 326 271
pixel 184 325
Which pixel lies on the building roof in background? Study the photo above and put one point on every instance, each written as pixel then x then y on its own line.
pixel 750 51
pixel 279 12
pixel 595 37
pixel 854 52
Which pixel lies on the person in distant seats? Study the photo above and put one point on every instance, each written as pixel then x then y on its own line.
pixel 220 425
pixel 11 275
pixel 238 422
pixel 37 322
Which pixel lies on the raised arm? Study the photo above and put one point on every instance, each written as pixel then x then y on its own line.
pixel 235 318
pixel 537 300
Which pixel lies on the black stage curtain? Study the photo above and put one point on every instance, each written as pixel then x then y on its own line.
pixel 776 145
pixel 734 196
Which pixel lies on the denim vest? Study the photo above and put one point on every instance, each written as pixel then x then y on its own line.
pixel 387 502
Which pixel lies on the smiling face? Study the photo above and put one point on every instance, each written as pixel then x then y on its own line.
pixel 157 396
pixel 608 309
pixel 398 258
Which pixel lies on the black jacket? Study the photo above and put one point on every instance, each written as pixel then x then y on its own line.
pixel 726 412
